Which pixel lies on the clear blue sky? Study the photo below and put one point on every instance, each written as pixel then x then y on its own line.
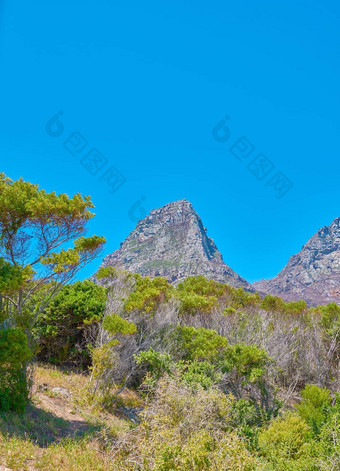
pixel 145 83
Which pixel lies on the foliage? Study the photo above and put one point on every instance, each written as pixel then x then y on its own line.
pixel 63 327
pixel 248 361
pixel 197 294
pixel 330 318
pixel 14 354
pixel 285 443
pixel 276 304
pixel 200 343
pixel 326 449
pixel 307 439
pixel 36 229
pixel 221 369
pixel 243 299
pixel 148 294
pixel 106 272
pixel 158 363
pixel 198 374
pixel 115 324
pixel 314 406
pixel 202 287
pixel 102 383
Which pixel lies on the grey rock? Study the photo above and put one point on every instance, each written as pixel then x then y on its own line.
pixel 132 413
pixel 61 391
pixel 314 273
pixel 172 242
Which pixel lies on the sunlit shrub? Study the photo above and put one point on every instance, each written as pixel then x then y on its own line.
pixel 285 443
pixel 148 294
pixel 314 406
pixel 200 343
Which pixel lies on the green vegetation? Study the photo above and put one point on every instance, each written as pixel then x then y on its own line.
pixel 14 354
pixel 148 294
pixel 67 328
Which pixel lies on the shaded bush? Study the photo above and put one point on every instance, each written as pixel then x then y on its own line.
pixel 14 355
pixel 67 328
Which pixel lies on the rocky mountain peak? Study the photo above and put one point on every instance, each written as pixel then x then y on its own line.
pixel 312 274
pixel 172 242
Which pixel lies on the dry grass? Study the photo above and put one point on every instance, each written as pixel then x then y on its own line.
pixel 59 430
pixel 57 377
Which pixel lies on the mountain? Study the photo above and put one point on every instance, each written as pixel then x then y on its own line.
pixel 172 242
pixel 314 273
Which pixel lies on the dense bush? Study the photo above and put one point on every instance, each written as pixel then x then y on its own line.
pixel 148 294
pixel 285 444
pixel 67 328
pixel 14 354
pixel 308 439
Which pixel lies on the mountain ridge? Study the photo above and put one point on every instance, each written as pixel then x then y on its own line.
pixel 313 274
pixel 172 242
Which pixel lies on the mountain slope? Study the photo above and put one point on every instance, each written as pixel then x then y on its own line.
pixel 314 273
pixel 172 242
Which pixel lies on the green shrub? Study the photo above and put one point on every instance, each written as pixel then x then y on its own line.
pixel 202 286
pixel 148 294
pixel 102 383
pixel 192 303
pixel 326 449
pixel 247 361
pixel 61 329
pixel 200 343
pixel 295 307
pixel 115 324
pixel 158 363
pixel 276 304
pixel 285 444
pixel 198 294
pixel 198 374
pixel 14 355
pixel 330 319
pixel 242 299
pixel 314 406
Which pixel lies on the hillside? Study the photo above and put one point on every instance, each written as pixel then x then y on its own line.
pixel 197 376
pixel 313 274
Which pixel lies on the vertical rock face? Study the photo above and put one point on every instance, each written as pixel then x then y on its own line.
pixel 314 273
pixel 172 242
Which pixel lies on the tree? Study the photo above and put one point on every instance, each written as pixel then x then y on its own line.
pixel 36 260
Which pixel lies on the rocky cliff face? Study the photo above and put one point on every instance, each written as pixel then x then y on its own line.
pixel 172 242
pixel 314 273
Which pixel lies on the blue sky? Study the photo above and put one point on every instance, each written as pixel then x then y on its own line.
pixel 145 84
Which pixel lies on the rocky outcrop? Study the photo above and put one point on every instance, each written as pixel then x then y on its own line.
pixel 314 273
pixel 172 242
